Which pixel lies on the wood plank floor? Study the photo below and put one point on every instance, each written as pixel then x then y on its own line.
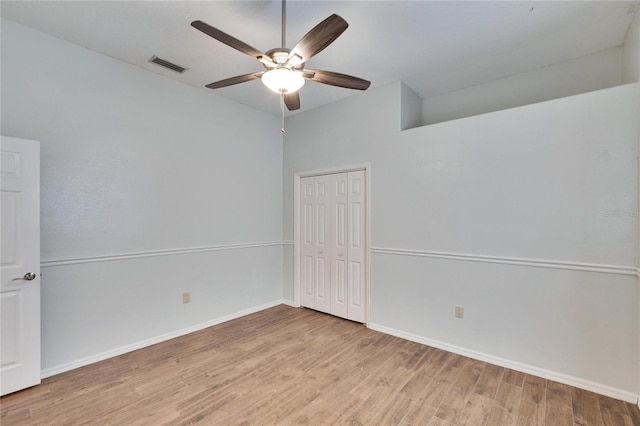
pixel 287 366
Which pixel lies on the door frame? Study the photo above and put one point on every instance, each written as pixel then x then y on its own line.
pixel 366 167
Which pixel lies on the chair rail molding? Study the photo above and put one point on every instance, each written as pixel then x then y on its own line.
pixel 536 263
pixel 167 252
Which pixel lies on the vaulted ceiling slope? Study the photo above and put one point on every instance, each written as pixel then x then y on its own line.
pixel 433 46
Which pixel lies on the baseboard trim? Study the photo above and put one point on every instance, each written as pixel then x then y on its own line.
pixel 152 341
pixel 536 263
pixel 290 303
pixel 524 368
pixel 169 252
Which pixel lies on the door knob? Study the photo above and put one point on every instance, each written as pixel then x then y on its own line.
pixel 340 254
pixel 319 251
pixel 27 277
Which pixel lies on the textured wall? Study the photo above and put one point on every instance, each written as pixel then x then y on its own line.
pixel 162 188
pixel 516 215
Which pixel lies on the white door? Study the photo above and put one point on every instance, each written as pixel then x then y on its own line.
pixel 314 247
pixel 339 292
pixel 19 264
pixel 307 242
pixel 322 237
pixel 332 232
pixel 356 225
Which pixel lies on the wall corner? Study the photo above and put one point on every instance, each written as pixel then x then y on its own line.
pixel 410 108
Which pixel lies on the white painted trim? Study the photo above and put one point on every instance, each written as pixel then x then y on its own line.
pixel 296 239
pixel 288 242
pixel 152 341
pixel 528 369
pixel 290 303
pixel 331 170
pixel 169 252
pixel 296 221
pixel 367 247
pixel 537 263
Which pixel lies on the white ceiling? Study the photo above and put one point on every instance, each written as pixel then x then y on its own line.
pixel 433 46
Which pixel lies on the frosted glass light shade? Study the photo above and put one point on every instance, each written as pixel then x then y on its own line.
pixel 283 80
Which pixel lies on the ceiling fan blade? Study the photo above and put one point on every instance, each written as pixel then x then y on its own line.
pixel 320 36
pixel 234 80
pixel 227 39
pixel 292 101
pixel 336 79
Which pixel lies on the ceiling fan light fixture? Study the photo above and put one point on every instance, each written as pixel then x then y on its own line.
pixel 283 80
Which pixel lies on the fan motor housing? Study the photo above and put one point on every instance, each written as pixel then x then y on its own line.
pixel 279 55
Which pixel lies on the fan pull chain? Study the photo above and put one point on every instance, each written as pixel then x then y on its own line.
pixel 282 109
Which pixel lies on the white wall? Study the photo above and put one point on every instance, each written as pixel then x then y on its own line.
pixel 631 52
pixel 140 167
pixel 510 214
pixel 592 72
pixel 410 108
pixel 630 74
pixel 607 68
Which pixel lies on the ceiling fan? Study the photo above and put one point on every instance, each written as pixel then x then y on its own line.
pixel 285 72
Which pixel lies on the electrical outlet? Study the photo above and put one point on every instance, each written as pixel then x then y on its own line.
pixel 459 312
pixel 186 297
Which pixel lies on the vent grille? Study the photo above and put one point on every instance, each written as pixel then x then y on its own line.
pixel 164 63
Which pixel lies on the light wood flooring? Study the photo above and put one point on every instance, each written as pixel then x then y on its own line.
pixel 288 366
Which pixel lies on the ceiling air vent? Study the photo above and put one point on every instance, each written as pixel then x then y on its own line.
pixel 167 64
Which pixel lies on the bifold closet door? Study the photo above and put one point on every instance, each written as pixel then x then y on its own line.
pixel 339 206
pixel 314 248
pixel 332 232
pixel 356 234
